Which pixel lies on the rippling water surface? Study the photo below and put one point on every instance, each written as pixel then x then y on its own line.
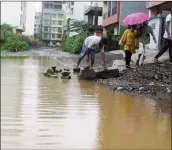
pixel 45 113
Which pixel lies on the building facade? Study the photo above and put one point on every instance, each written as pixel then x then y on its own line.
pixel 22 26
pixel 37 23
pixel 52 21
pixel 73 11
pixel 93 13
pixel 156 8
pixel 114 13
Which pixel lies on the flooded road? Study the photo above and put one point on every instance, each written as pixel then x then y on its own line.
pixel 46 113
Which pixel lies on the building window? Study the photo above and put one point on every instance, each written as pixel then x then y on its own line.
pixel 72 3
pixel 45 35
pixel 59 36
pixel 57 6
pixel 54 16
pixel 46 22
pixel 53 29
pixel 45 28
pixel 46 16
pixel 51 5
pixel 35 25
pixel 59 2
pixel 53 22
pixel 60 23
pixel 59 30
pixel 60 15
pixel 53 36
pixel 114 7
pixel 46 5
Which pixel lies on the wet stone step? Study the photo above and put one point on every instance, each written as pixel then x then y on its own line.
pixel 89 74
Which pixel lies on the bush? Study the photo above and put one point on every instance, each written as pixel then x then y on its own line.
pixel 77 45
pixel 32 42
pixel 12 43
pixel 73 44
pixel 69 44
pixel 15 46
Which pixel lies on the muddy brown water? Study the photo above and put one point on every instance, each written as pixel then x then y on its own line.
pixel 46 113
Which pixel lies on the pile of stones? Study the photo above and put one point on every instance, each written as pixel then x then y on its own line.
pixel 53 72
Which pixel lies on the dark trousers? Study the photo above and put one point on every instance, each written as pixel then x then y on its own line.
pixel 128 55
pixel 168 45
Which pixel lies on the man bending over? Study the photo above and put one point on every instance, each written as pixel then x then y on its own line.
pixel 90 46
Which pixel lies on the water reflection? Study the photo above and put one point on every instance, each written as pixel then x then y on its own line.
pixel 46 113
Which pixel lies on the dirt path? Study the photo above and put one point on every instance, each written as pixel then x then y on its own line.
pixel 150 81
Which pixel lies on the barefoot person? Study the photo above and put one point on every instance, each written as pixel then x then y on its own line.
pixel 128 41
pixel 144 32
pixel 167 37
pixel 89 48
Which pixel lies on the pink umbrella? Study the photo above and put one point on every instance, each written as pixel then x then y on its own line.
pixel 135 18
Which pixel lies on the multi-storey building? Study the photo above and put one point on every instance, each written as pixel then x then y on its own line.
pixel 37 23
pixel 52 21
pixel 73 11
pixel 156 8
pixel 22 27
pixel 114 13
pixel 93 13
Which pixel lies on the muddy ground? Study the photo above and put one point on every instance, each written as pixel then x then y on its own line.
pixel 150 81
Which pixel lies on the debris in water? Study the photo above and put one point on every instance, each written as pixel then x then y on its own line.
pixel 168 90
pixel 120 88
pixel 151 83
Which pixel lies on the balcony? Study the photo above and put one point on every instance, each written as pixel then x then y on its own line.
pixel 92 10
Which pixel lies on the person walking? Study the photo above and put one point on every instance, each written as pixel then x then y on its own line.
pixel 167 38
pixel 90 46
pixel 128 41
pixel 143 32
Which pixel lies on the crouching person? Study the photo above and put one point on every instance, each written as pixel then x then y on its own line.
pixel 90 46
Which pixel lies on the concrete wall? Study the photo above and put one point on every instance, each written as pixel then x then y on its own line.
pixel 127 8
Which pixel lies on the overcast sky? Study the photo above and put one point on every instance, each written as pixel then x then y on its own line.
pixel 10 13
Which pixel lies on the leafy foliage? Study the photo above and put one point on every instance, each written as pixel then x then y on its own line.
pixel 13 42
pixel 74 44
pixel 6 27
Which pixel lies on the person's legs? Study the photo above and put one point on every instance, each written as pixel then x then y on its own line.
pixel 128 55
pixel 170 50
pixel 166 46
pixel 92 55
pixel 140 53
pixel 145 47
pixel 82 55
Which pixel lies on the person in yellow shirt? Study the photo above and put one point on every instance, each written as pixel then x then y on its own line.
pixel 128 41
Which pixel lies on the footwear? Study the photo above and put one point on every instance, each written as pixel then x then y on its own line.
pixel 87 67
pixel 128 66
pixel 137 63
pixel 156 60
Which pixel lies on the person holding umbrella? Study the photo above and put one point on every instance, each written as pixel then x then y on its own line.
pixel 143 33
pixel 128 41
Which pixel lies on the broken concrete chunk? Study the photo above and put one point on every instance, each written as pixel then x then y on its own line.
pixel 105 74
pixel 87 74
pixel 141 88
pixel 120 88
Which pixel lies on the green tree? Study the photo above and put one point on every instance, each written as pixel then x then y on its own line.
pixel 6 27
